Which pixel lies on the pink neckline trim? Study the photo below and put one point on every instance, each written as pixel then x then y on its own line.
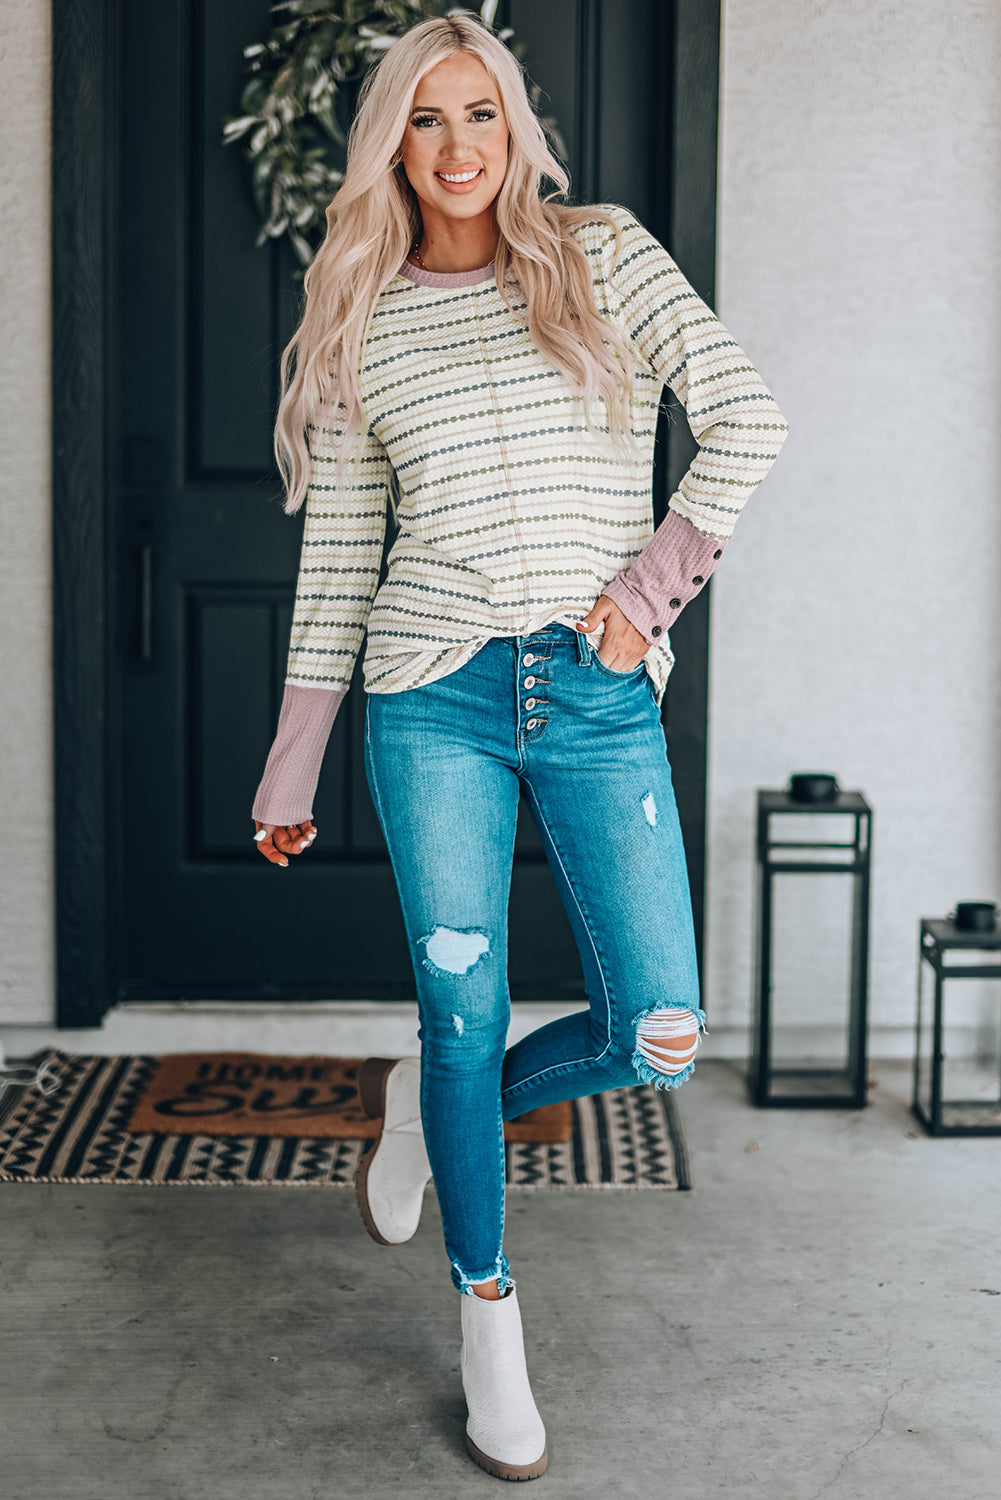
pixel 446 278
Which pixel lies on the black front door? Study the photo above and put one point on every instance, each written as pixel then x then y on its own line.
pixel 201 560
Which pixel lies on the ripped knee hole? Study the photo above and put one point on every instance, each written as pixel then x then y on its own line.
pixel 668 1039
pixel 453 951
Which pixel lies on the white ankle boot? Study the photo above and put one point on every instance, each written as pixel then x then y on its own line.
pixel 504 1432
pixel 391 1178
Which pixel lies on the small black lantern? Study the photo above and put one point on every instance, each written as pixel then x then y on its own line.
pixel 962 1095
pixel 802 1082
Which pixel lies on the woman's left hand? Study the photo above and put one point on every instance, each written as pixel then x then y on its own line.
pixel 622 646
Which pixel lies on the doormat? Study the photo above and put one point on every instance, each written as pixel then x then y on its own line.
pixel 77 1130
pixel 255 1093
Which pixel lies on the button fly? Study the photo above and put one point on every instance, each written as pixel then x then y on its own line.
pixel 532 724
pixel 530 682
pixel 528 658
pixel 530 703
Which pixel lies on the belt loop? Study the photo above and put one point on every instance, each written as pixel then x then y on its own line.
pixel 583 649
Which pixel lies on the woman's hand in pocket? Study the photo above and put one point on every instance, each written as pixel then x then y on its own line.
pixel 622 646
pixel 277 841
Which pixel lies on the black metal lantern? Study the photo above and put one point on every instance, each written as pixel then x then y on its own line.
pixel 959 1095
pixel 789 847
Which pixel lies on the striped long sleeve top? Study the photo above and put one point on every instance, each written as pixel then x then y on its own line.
pixel 512 514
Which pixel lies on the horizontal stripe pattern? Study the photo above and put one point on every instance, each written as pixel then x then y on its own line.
pixel 512 514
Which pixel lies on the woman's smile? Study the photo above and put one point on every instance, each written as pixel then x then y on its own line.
pixel 458 182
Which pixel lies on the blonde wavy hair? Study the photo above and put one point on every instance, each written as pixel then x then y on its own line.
pixel 372 221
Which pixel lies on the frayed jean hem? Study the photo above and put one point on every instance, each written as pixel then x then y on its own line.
pixel 499 1272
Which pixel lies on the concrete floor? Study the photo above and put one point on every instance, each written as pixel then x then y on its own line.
pixel 819 1317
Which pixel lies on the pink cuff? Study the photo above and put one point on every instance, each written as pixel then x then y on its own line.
pixel 665 575
pixel 285 794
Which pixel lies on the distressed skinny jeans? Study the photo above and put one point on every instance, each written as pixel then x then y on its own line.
pixel 445 764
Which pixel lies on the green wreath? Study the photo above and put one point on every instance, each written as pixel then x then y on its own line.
pixel 297 106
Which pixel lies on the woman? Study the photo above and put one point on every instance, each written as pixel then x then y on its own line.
pixel 493 361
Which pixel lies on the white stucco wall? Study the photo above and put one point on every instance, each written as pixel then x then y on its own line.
pixel 856 621
pixel 26 864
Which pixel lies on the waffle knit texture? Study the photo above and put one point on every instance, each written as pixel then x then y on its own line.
pixel 511 513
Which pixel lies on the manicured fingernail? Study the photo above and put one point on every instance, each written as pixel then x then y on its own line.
pixel 261 833
pixel 304 845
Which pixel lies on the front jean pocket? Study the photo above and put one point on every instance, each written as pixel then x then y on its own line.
pixel 596 661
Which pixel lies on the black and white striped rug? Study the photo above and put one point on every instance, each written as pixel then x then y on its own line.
pixel 76 1132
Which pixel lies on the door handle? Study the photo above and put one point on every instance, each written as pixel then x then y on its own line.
pixel 146 602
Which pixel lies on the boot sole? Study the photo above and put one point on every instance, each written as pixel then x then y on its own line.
pixel 501 1470
pixel 372 1077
